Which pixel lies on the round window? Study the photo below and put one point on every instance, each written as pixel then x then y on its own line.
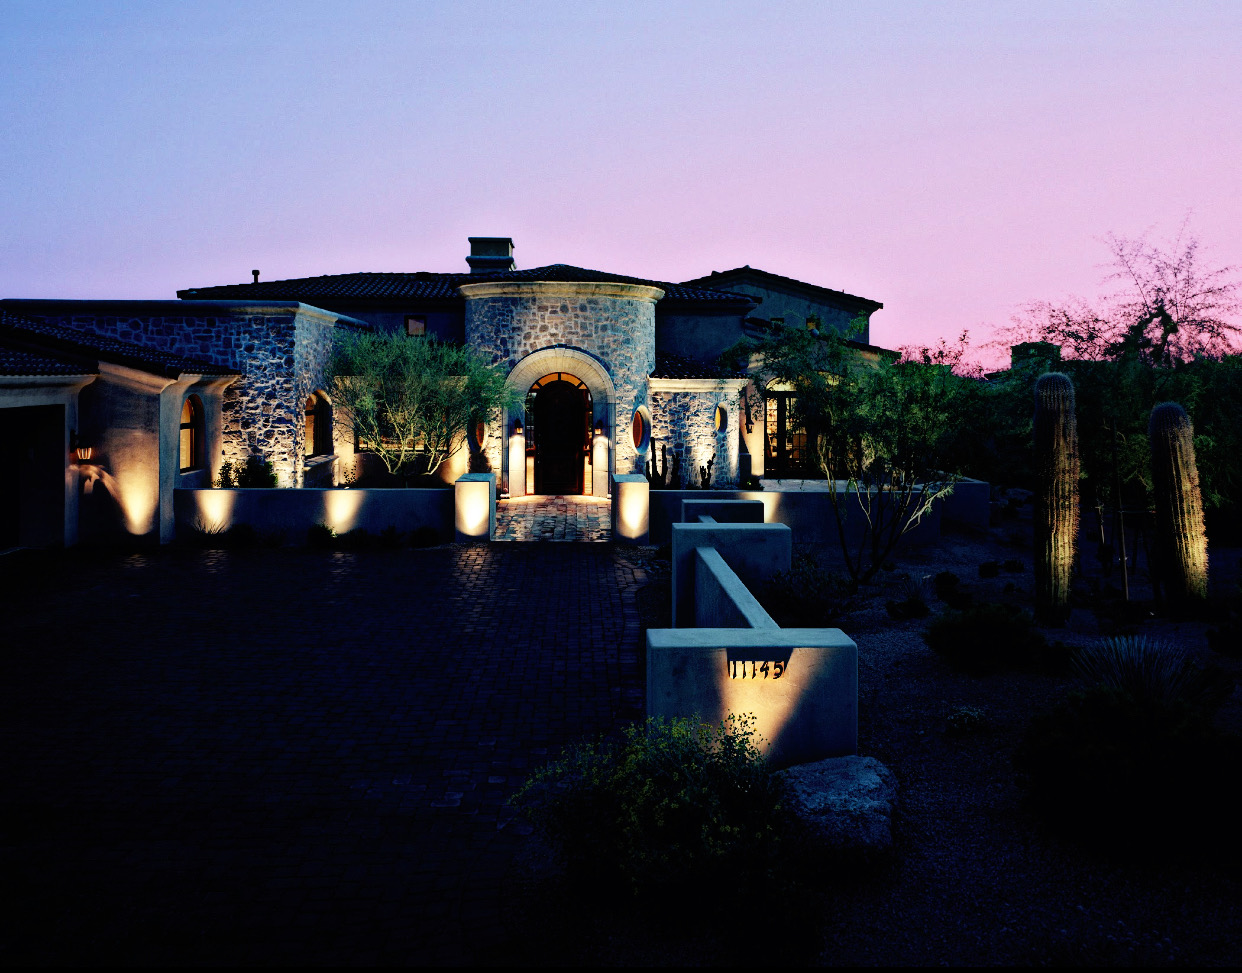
pixel 641 428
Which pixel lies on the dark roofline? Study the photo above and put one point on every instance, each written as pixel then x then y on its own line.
pixel 424 286
pixel 39 337
pixel 789 283
pixel 165 308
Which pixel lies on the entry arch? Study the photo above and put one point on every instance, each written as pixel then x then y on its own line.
pixel 572 361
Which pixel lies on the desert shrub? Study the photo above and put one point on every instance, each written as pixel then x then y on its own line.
pixel 358 539
pixel 985 638
pixel 202 535
pixel 1135 772
pixel 424 536
pixel 256 471
pixel 390 538
pixel 913 600
pixel 671 805
pixel 241 536
pixel 321 537
pixel 964 720
pixel 948 587
pixel 807 596
pixel 989 569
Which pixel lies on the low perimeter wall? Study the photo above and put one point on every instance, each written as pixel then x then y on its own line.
pixel 297 510
pixel 808 514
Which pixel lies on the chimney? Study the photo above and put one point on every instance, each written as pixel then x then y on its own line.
pixel 256 275
pixel 490 254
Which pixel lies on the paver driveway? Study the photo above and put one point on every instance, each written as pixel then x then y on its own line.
pixel 289 756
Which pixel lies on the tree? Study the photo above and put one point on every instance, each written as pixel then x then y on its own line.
pixel 1167 308
pixel 892 434
pixel 411 400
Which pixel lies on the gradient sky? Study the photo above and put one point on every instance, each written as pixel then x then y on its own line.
pixel 952 160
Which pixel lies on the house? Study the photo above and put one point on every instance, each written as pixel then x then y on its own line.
pixel 101 431
pixel 611 364
pixel 123 402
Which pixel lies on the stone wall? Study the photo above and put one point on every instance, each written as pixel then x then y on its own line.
pixel 684 420
pixel 281 349
pixel 612 323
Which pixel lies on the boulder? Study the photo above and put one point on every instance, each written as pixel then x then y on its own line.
pixel 847 802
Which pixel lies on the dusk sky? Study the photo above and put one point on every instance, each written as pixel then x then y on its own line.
pixel 952 160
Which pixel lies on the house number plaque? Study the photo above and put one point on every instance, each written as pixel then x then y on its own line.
pixel 758 670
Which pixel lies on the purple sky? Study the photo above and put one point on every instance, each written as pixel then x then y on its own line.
pixel 952 160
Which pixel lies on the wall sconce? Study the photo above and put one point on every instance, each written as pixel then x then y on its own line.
pixel 83 451
pixel 517 427
pixel 599 428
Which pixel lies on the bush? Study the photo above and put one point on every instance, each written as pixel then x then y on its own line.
pixel 357 539
pixel 241 536
pixel 390 538
pixel 424 536
pixel 671 805
pixel 985 638
pixel 321 537
pixel 807 596
pixel 989 569
pixel 913 601
pixel 256 471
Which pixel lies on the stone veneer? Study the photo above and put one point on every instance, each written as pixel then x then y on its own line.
pixel 683 418
pixel 280 348
pixel 612 323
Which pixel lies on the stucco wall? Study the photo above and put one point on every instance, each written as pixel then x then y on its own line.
pixel 612 323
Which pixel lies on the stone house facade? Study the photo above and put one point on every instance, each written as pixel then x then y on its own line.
pixel 629 363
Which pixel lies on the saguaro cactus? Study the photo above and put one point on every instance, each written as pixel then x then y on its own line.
pixel 1056 495
pixel 1181 541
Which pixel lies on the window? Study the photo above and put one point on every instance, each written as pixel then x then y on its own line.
pixel 415 325
pixel 318 438
pixel 192 434
pixel 788 450
pixel 640 429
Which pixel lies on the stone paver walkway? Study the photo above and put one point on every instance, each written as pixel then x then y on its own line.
pixel 554 518
pixel 291 757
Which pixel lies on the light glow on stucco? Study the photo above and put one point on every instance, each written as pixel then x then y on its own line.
pixel 341 508
pixel 138 493
pixel 215 507
pixel 772 701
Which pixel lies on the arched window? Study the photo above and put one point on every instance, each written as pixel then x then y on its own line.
pixel 192 440
pixel 318 425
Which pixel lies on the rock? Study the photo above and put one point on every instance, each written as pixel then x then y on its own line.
pixel 846 801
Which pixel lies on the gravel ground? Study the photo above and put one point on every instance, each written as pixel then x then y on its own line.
pixel 974 877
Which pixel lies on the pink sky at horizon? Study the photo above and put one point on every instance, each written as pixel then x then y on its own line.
pixel 954 161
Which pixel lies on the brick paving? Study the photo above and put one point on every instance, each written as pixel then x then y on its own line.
pixel 287 757
pixel 554 518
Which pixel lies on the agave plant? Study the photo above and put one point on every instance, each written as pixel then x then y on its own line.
pixel 1146 670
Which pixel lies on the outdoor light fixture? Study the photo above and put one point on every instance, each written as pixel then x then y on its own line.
pixel 599 428
pixel 84 452
pixel 517 427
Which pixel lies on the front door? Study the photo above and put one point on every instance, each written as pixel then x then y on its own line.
pixel 560 437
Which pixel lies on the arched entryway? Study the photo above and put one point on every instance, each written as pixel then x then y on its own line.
pixel 558 433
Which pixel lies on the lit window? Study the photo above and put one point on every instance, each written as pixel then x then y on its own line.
pixel 318 438
pixel 415 325
pixel 191 434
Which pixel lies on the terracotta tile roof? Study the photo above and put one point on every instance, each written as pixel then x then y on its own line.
pixel 721 279
pixel 429 286
pixel 55 343
pixel 669 365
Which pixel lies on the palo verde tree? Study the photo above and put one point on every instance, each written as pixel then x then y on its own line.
pixel 412 400
pixel 892 434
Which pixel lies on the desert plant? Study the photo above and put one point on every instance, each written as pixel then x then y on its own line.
pixel 1056 495
pixel 320 536
pixel 807 595
pixel 989 569
pixel 358 539
pixel 985 638
pixel 670 802
pixel 963 720
pixel 424 536
pixel 241 536
pixel 390 538
pixel 912 602
pixel 1181 541
pixel 705 473
pixel 659 475
pixel 254 472
pixel 226 479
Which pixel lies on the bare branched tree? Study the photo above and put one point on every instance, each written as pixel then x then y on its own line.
pixel 1167 306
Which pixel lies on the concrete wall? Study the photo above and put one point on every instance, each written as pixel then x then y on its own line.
pixel 809 514
pixel 295 511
